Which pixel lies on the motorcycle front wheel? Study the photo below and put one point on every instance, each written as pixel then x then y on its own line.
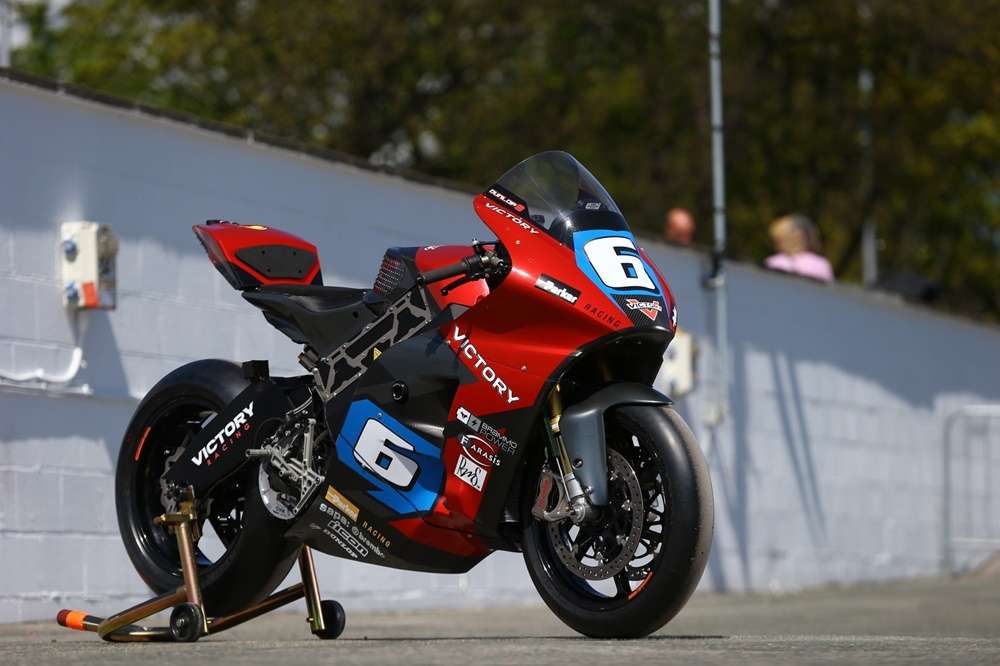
pixel 629 571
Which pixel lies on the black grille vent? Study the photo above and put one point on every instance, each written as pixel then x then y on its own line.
pixel 390 274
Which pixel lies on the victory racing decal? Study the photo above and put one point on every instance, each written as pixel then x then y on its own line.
pixel 227 435
pixel 463 346
pixel 649 308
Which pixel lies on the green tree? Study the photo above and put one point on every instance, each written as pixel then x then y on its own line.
pixel 464 89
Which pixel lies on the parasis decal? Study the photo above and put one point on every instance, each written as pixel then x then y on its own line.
pixel 480 451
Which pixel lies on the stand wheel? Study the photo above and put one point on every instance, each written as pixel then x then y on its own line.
pixel 186 623
pixel 334 618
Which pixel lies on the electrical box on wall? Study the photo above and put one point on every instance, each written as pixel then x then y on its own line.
pixel 88 255
pixel 677 374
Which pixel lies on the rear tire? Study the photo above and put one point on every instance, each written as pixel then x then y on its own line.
pixel 257 557
pixel 672 465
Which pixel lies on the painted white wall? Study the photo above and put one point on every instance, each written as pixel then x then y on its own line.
pixel 827 470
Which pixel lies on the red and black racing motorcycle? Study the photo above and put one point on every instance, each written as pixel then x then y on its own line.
pixel 477 398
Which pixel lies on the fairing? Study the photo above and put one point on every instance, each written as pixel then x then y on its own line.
pixel 434 407
pixel 249 256
pixel 477 380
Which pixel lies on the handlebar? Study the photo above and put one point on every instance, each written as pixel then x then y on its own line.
pixel 464 266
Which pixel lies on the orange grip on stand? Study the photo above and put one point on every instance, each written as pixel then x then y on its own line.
pixel 72 619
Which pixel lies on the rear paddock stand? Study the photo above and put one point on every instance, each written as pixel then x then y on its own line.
pixel 188 621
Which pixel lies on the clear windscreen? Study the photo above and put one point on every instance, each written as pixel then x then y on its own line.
pixel 558 194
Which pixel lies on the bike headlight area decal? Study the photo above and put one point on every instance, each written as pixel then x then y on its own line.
pixel 405 468
pixel 612 262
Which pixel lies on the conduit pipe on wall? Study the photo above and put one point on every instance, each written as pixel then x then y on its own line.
pixel 40 376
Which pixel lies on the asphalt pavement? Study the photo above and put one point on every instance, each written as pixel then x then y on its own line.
pixel 953 621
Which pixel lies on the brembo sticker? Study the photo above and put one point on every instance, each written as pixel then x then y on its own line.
pixel 344 531
pixel 464 347
pixel 493 435
pixel 220 443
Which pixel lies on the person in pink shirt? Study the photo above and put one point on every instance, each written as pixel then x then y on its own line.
pixel 796 240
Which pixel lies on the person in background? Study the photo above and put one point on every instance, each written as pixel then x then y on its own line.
pixel 796 242
pixel 678 228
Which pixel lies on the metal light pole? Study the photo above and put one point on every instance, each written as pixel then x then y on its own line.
pixel 6 21
pixel 866 86
pixel 717 279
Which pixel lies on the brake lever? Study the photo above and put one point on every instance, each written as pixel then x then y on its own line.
pixel 469 277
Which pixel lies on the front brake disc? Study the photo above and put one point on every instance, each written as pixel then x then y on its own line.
pixel 625 510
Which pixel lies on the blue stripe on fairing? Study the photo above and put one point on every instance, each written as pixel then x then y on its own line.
pixel 427 485
pixel 581 238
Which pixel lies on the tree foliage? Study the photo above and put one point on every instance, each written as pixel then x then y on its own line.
pixel 465 88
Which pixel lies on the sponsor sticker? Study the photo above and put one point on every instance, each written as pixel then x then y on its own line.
pixel 470 472
pixel 491 434
pixel 480 451
pixel 558 289
pixel 344 531
pixel 513 218
pixel 341 502
pixel 226 435
pixel 506 200
pixel 649 308
pixel 464 347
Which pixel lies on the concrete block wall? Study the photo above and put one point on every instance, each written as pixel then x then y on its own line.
pixel 827 467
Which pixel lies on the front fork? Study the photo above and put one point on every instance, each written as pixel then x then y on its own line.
pixel 572 501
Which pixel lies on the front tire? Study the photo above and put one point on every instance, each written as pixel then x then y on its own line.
pixel 570 565
pixel 256 555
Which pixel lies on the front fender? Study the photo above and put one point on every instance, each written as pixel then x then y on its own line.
pixel 582 428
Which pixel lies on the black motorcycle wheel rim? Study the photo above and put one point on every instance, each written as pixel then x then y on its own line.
pixel 633 579
pixel 169 429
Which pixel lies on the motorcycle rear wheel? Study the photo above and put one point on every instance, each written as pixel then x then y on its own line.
pixel 579 570
pixel 256 557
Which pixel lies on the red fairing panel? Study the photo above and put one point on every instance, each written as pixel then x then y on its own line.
pixel 239 252
pixel 515 339
pixel 520 332
pixel 435 256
